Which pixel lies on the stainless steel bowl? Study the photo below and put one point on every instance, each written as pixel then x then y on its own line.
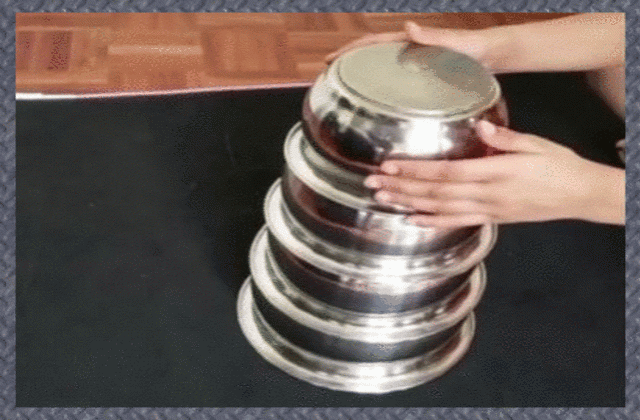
pixel 334 204
pixel 374 268
pixel 367 295
pixel 401 100
pixel 341 375
pixel 355 336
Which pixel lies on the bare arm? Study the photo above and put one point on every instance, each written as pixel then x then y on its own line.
pixel 592 42
pixel 576 43
pixel 608 197
pixel 581 42
pixel 609 83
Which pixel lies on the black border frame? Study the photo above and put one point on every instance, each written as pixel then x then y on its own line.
pixel 8 207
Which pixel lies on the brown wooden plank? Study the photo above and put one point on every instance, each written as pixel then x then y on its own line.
pixel 82 52
pixel 25 41
pixel 314 22
pixel 255 54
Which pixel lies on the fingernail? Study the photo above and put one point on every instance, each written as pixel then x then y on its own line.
pixel 383 196
pixel 372 182
pixel 487 128
pixel 390 168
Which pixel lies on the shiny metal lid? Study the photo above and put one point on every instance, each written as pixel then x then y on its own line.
pixel 414 78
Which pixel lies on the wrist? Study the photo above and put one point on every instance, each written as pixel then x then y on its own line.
pixel 606 203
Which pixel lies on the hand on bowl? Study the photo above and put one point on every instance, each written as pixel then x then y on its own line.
pixel 589 41
pixel 477 44
pixel 536 180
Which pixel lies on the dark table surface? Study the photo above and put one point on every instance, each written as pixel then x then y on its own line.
pixel 134 223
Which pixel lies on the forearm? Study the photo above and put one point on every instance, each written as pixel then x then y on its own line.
pixel 607 202
pixel 609 84
pixel 575 43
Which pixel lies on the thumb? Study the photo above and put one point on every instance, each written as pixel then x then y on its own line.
pixel 507 140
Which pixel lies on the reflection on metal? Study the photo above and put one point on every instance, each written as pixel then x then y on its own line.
pixel 344 293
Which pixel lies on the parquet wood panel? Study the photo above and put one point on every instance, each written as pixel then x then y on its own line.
pixel 83 53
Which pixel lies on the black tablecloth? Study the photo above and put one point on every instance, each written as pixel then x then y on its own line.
pixel 134 221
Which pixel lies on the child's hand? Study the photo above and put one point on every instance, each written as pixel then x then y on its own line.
pixel 537 180
pixel 474 43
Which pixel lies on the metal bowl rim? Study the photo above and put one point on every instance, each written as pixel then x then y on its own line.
pixel 365 327
pixel 331 74
pixel 339 375
pixel 426 265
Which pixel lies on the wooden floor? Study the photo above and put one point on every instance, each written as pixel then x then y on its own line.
pixel 98 53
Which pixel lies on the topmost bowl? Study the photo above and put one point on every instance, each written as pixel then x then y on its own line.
pixel 401 100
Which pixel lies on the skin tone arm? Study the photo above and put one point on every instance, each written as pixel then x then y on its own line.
pixel 575 43
pixel 593 42
pixel 537 180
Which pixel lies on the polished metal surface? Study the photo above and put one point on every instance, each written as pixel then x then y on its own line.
pixel 335 259
pixel 347 335
pixel 417 79
pixel 386 294
pixel 340 375
pixel 400 100
pixel 344 292
pixel 311 311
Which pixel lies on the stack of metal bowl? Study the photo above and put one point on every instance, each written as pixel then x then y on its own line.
pixel 344 292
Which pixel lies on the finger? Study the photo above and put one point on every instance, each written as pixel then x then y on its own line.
pixel 463 170
pixel 434 205
pixel 431 36
pixel 430 189
pixel 457 40
pixel 368 40
pixel 459 220
pixel 508 140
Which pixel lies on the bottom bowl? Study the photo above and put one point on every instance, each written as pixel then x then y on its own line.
pixel 357 377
